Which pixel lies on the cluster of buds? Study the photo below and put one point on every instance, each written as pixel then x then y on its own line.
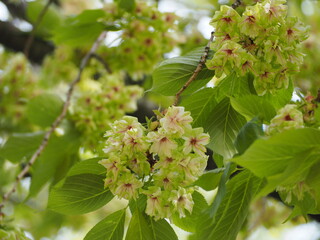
pixel 17 85
pixel 288 117
pixel 148 34
pixel 101 105
pixel 161 162
pixel 262 41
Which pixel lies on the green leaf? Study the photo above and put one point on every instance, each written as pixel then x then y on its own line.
pixel 161 230
pixel 127 5
pixel 44 109
pixel 200 104
pixel 248 134
pixel 208 215
pixel 140 203
pixel 223 127
pixel 59 149
pixel 110 228
pixel 233 86
pixel 88 166
pixel 295 172
pixel 25 143
pixel 80 30
pixel 280 97
pixel 188 222
pixel 313 181
pixel 50 20
pixel 267 157
pixel 210 179
pixel 138 227
pixel 79 194
pixel 172 74
pixel 234 208
pixel 251 106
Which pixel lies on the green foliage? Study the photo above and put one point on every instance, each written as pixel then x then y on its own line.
pixel 50 20
pixel 80 30
pixel 200 104
pixel 27 144
pixel 188 223
pixel 81 191
pixel 61 149
pixel 262 140
pixel 44 109
pixel 231 213
pixel 210 179
pixel 138 227
pixel 251 106
pixel 224 128
pixel 173 73
pixel 110 228
pixel 250 132
pixel 127 5
pixel 79 194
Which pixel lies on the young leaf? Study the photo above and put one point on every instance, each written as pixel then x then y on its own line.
pixel 251 106
pixel 79 194
pixel 223 127
pixel 173 73
pixel 200 104
pixel 138 227
pixel 110 228
pixel 44 109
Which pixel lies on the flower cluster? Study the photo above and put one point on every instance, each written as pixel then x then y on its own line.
pixel 288 117
pixel 263 42
pixel 148 34
pixel 17 85
pixel 161 163
pixel 101 103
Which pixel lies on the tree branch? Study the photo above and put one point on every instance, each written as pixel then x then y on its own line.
pixel 236 4
pixel 35 27
pixel 15 40
pixel 103 62
pixel 196 72
pixel 16 9
pixel 55 124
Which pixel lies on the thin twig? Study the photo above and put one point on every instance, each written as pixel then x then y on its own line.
pixel 55 124
pixel 103 62
pixel 35 27
pixel 236 4
pixel 196 72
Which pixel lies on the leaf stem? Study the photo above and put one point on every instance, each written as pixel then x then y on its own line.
pixel 55 124
pixel 196 72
